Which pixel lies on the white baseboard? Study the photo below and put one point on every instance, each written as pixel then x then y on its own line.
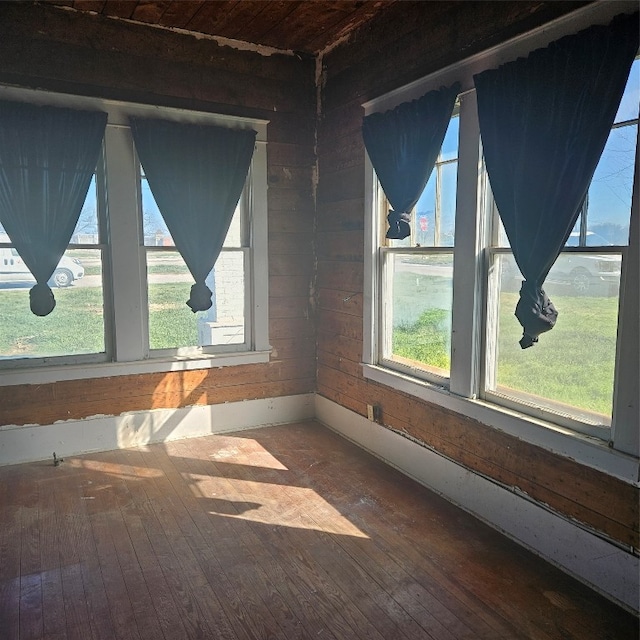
pixel 103 433
pixel 601 565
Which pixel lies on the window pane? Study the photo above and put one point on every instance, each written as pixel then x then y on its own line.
pixel 75 326
pixel 155 229
pixel 449 150
pixel 417 323
pixel 87 231
pixel 628 109
pixel 609 204
pixel 172 324
pixel 433 217
pixel 571 368
pixel 435 212
pixel 449 176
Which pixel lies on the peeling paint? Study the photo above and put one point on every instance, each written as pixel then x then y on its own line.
pixel 239 45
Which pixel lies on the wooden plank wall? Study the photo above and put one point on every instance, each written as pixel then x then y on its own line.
pixel 41 46
pixel 409 41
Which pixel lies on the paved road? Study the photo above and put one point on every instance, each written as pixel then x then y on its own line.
pixel 96 281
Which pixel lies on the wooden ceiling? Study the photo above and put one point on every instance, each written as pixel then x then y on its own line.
pixel 307 26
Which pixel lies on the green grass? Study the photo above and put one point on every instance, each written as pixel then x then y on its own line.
pixel 74 326
pixel 426 340
pixel 171 322
pixel 573 364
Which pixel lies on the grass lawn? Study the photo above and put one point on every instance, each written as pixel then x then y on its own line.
pixel 573 364
pixel 75 326
pixel 171 322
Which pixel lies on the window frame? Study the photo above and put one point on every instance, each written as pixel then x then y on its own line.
pixel 387 251
pixel 124 254
pixel 616 451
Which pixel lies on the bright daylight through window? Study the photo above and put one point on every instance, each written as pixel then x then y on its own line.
pixel 77 325
pixel 418 272
pixel 172 325
pixel 121 286
pixel 434 323
pixel 584 283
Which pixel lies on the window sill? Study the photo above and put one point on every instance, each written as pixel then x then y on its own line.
pixel 45 375
pixel 592 452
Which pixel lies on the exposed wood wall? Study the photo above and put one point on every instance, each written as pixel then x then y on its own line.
pixel 90 55
pixel 83 54
pixel 412 40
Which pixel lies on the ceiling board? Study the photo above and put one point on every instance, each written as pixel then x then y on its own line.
pixel 300 25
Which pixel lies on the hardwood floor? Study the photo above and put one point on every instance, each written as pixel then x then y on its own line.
pixel 281 532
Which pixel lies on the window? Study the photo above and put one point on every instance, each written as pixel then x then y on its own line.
pixel 584 284
pixel 417 274
pixel 439 306
pixel 78 327
pixel 122 287
pixel 172 325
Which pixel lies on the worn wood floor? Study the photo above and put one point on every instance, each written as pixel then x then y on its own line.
pixel 281 532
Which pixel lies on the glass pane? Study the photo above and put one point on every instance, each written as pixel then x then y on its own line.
pixel 86 231
pixel 156 233
pixel 628 109
pixel 449 177
pixel 449 150
pixel 571 368
pixel 172 324
pixel 75 326
pixel 609 204
pixel 433 218
pixel 418 321
pixel 425 214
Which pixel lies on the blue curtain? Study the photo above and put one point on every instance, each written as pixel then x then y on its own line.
pixel 47 158
pixel 403 145
pixel 196 174
pixel 544 121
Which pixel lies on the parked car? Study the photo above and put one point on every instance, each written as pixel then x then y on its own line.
pixel 13 269
pixel 583 273
pixel 587 272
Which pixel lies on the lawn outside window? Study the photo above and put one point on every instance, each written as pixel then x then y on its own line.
pixel 126 311
pixel 417 274
pixel 572 385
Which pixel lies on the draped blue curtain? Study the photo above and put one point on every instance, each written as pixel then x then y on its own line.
pixel 544 121
pixel 196 174
pixel 47 158
pixel 403 145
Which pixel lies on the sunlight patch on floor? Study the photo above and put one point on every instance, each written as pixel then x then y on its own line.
pixel 119 470
pixel 272 504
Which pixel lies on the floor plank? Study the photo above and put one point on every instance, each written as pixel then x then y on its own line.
pixel 284 532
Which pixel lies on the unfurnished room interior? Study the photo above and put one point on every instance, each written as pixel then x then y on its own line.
pixel 319 319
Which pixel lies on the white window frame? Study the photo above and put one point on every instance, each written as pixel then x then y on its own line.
pixel 124 261
pixel 617 455
pixel 386 254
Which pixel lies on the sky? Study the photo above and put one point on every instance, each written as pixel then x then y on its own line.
pixel 611 187
pixel 609 195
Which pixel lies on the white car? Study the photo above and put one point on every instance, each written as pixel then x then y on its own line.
pixel 13 269
pixel 587 272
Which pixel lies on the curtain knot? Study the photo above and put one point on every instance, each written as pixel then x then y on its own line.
pixel 398 225
pixel 535 312
pixel 200 298
pixel 41 300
